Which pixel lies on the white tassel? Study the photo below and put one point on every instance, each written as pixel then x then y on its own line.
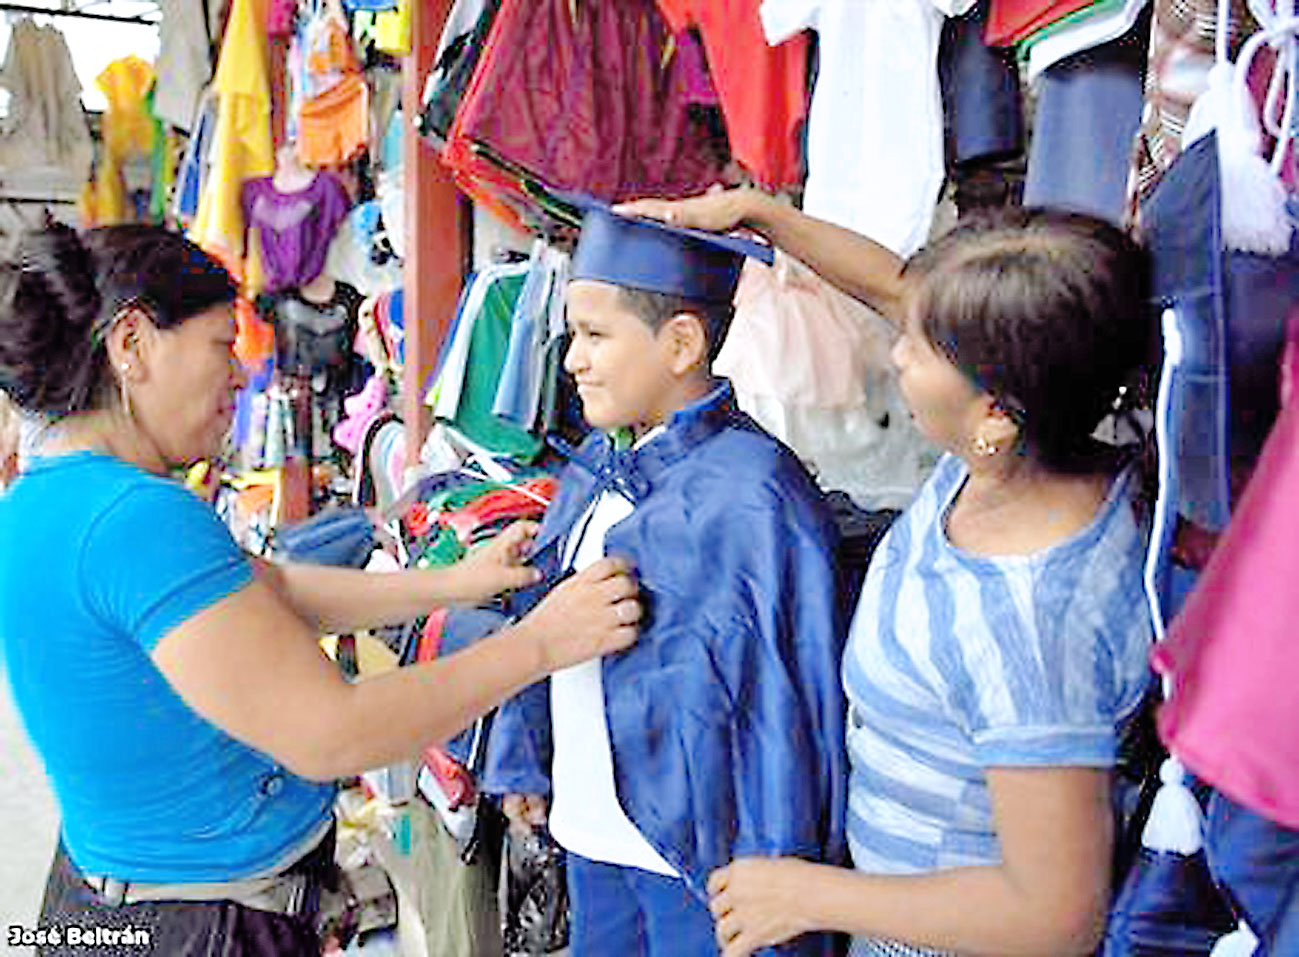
pixel 1239 943
pixel 1210 107
pixel 1253 199
pixel 1176 823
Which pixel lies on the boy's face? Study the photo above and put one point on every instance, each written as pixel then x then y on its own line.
pixel 622 367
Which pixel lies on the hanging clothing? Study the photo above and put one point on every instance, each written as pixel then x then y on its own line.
pixel 166 149
pixel 583 97
pixel 129 132
pixel 982 105
pixel 194 163
pixel 280 15
pixel 812 366
pixel 328 55
pixel 46 125
pixel 798 339
pixel 128 125
pixel 241 147
pixel 537 321
pixel 466 387
pixel 335 126
pixel 1181 54
pixel 1100 23
pixel 333 105
pixel 314 337
pixel 1088 110
pixel 360 254
pixel 875 131
pixel 295 228
pixel 392 30
pixel 763 89
pixel 1256 860
pixel 184 61
pixel 1230 652
pixel 499 285
pixel 1010 21
pixel 459 48
pixel 1224 320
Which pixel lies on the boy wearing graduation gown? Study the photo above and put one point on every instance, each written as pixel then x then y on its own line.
pixel 720 733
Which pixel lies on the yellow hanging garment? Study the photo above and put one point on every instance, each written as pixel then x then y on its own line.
pixel 241 147
pixel 128 132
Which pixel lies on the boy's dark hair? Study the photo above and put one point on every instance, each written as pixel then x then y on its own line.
pixel 656 308
pixel 59 300
pixel 1047 311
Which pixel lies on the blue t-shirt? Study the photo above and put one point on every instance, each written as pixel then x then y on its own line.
pixel 100 561
pixel 959 662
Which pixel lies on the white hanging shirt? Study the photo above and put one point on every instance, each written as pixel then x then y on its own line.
pixel 875 129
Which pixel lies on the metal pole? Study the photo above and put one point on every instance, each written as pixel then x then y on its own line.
pixel 79 14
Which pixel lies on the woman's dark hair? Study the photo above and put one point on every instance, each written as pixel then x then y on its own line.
pixel 656 308
pixel 1048 312
pixel 59 300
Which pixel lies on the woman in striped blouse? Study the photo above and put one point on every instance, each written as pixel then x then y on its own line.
pixel 1000 642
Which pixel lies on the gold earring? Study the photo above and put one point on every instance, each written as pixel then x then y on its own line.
pixel 983 447
pixel 126 396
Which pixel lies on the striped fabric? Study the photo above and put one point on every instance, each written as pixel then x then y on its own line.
pixel 959 662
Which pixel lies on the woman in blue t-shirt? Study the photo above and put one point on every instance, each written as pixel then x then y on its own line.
pixel 189 723
pixel 1000 642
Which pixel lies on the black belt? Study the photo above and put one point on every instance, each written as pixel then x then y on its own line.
pixel 295 891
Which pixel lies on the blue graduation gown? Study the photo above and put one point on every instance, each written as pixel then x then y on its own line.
pixel 726 717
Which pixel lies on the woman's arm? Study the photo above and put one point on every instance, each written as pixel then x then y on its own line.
pixel 1049 895
pixel 249 665
pixel 345 599
pixel 859 266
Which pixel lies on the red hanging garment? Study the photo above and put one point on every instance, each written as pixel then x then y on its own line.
pixel 763 89
pixel 582 96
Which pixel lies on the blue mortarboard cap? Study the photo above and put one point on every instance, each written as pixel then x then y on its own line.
pixel 650 255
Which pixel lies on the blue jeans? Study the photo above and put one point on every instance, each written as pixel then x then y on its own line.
pixel 1258 862
pixel 633 913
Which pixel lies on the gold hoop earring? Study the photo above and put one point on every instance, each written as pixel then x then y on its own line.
pixel 983 447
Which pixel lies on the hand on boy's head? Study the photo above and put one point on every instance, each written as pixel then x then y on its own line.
pixel 716 210
pixel 592 613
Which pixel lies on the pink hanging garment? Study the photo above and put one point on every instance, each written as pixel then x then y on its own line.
pixel 796 338
pixel 1232 653
pixel 279 18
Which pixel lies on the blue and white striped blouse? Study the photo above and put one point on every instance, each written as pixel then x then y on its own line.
pixel 958 662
